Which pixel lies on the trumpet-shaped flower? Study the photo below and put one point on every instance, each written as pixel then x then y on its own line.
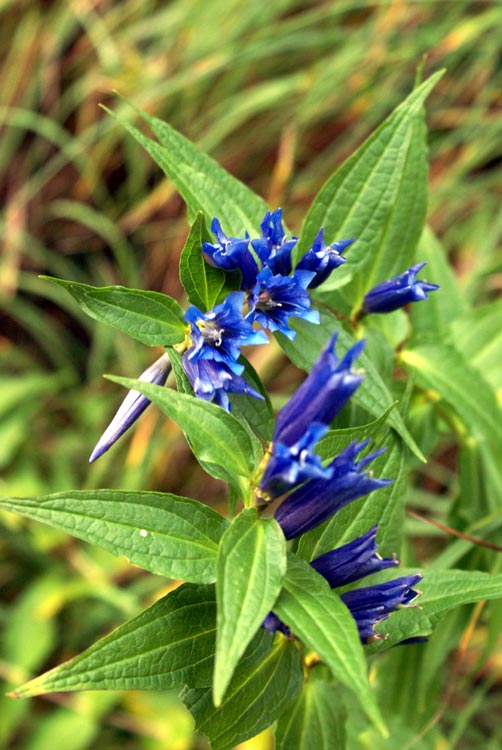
pixel 322 394
pixel 273 249
pixel 220 333
pixel 213 381
pixel 276 298
pixel 288 466
pixel 373 604
pixel 131 407
pixel 322 258
pixel 318 499
pixel 353 561
pixel 397 292
pixel 231 253
pixel 368 605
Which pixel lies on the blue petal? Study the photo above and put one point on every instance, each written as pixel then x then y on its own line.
pixel 288 466
pixel 319 499
pixel 353 561
pixel 276 298
pixel 322 394
pixel 398 291
pixel 323 259
pixel 231 253
pixel 213 381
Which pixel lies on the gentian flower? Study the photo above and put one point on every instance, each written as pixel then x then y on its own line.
pixel 272 247
pixel 397 292
pixel 131 407
pixel 318 499
pixel 276 298
pixel 213 381
pixel 322 394
pixel 290 465
pixel 323 258
pixel 353 561
pixel 220 333
pixel 231 253
pixel 368 605
pixel 372 604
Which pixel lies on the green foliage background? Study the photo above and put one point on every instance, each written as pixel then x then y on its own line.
pixel 280 93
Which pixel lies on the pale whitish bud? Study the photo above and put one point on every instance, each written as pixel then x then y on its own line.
pixel 131 407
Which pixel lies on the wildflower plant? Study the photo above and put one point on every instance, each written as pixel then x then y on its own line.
pixel 294 591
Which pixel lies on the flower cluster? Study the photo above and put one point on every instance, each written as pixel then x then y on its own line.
pixel 271 293
pixel 313 493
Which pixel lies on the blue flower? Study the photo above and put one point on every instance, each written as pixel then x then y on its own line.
pixel 213 381
pixel 372 604
pixel 288 466
pixel 231 253
pixel 397 292
pixel 220 333
pixel 322 394
pixel 319 499
pixel 131 407
pixel 272 247
pixel 353 561
pixel 368 605
pixel 323 258
pixel 276 298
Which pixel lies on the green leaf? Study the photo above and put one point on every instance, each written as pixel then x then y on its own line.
pixel 336 440
pixel 258 413
pixel 255 697
pixel 377 196
pixel 318 616
pixel 433 317
pixel 203 283
pixel 478 335
pixel 373 395
pixel 64 727
pixel 165 534
pixel 444 369
pixel 221 444
pixel 444 590
pixel 203 184
pixel 182 382
pixel 166 646
pixel 250 569
pixel 150 317
pixel 31 622
pixel 317 720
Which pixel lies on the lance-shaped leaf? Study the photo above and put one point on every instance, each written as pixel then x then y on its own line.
pixel 166 646
pixel 256 696
pixel 320 619
pixel 377 196
pixel 250 569
pixel 204 284
pixel 373 395
pixel 317 720
pixel 150 317
pixel 165 534
pixel 204 185
pixel 443 368
pixel 445 589
pixel 221 444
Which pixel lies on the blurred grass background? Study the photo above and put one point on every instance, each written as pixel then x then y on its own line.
pixel 280 93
